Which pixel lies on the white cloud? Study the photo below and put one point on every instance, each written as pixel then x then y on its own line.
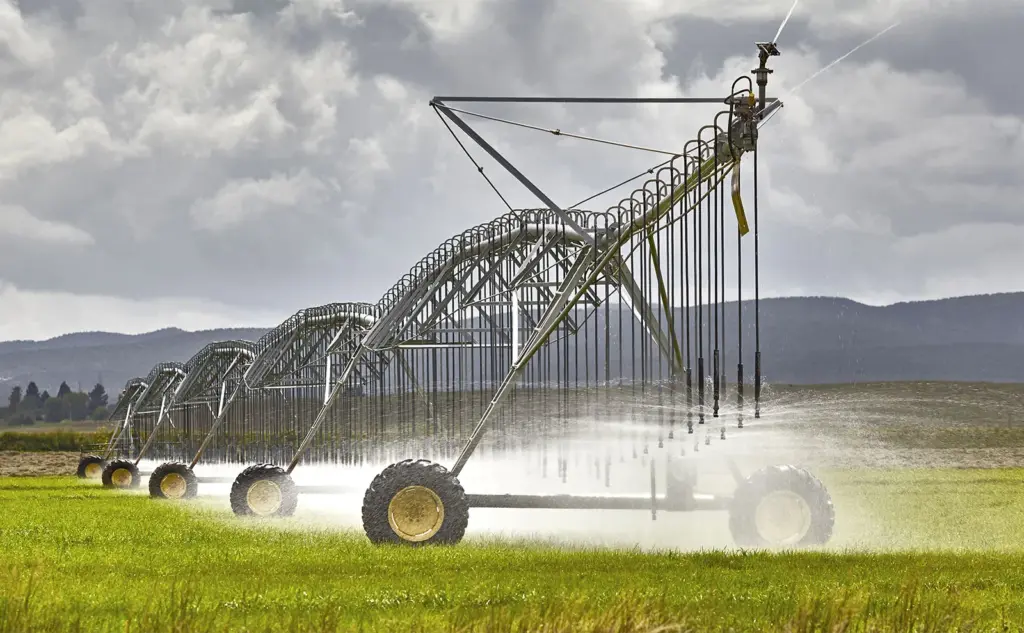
pixel 247 200
pixel 18 224
pixel 312 12
pixel 27 43
pixel 449 19
pixel 29 140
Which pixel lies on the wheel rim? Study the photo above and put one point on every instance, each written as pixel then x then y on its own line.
pixel 416 513
pixel 173 486
pixel 93 471
pixel 783 517
pixel 264 497
pixel 121 477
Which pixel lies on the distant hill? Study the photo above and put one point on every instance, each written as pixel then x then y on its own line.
pixel 85 357
pixel 804 340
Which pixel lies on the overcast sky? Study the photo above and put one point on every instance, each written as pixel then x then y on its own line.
pixel 202 164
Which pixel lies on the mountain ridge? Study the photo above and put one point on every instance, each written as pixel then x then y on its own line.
pixel 805 339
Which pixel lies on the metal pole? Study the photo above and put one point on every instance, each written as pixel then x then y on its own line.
pixel 634 100
pixel 113 440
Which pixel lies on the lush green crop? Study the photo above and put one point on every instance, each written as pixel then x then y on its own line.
pixel 76 557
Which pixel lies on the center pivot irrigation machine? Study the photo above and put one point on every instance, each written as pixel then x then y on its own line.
pixel 516 333
pixel 519 324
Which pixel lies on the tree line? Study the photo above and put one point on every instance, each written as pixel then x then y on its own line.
pixel 29 406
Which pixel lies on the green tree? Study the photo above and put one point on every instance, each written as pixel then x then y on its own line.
pixel 63 390
pixel 14 400
pixel 78 405
pixel 97 397
pixel 55 409
pixel 31 402
pixel 101 413
pixel 46 396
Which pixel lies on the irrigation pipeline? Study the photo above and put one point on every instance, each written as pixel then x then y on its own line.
pixel 521 327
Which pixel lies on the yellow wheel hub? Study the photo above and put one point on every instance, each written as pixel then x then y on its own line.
pixel 264 497
pixel 122 477
pixel 93 471
pixel 416 513
pixel 173 486
pixel 783 518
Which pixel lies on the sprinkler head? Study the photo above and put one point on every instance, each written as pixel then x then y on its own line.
pixel 767 49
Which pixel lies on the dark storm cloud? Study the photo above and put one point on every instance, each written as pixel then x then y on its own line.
pixel 271 155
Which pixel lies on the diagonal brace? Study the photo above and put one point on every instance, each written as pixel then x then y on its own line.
pixel 496 155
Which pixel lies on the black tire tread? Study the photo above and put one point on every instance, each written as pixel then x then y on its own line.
pixel 161 471
pixel 109 469
pixel 785 477
pixel 255 473
pixel 410 473
pixel 88 460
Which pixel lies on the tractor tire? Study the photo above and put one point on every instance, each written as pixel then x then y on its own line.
pixel 264 490
pixel 121 474
pixel 781 506
pixel 173 480
pixel 91 467
pixel 415 503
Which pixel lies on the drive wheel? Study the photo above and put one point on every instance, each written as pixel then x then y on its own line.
pixel 415 503
pixel 121 474
pixel 91 467
pixel 173 480
pixel 781 506
pixel 264 490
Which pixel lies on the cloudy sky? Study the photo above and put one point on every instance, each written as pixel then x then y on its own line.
pixel 199 164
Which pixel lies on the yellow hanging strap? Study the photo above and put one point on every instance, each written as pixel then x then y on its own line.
pixel 737 201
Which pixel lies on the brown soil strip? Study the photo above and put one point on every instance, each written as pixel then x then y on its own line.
pixel 13 463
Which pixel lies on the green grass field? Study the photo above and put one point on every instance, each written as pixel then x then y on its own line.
pixel 915 548
pixel 74 557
